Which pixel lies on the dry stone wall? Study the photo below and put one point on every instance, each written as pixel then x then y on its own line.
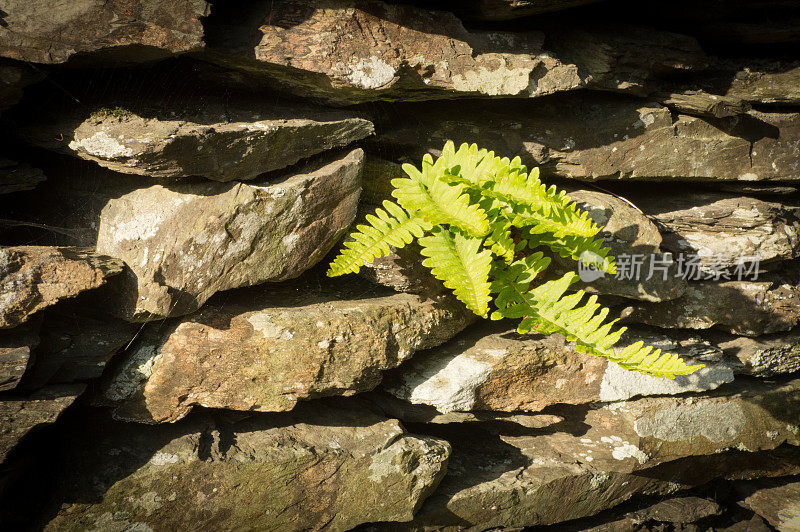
pixel 175 175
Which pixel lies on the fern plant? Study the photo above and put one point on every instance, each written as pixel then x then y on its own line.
pixel 479 220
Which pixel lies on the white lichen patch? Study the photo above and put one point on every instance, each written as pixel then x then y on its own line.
pixel 271 331
pixel 370 73
pixel 450 386
pixel 619 384
pixel 502 81
pixel 716 422
pixel 137 369
pixel 102 145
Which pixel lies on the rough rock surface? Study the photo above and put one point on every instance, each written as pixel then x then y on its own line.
pixel 267 348
pixel 20 415
pixel 506 476
pixel 15 354
pixel 699 103
pixel 720 228
pixel 322 467
pixel 750 308
pixel 778 503
pixel 403 52
pixel 42 32
pixel 211 138
pixel 764 356
pixel 763 81
pixel 626 231
pixel 591 138
pixel 494 368
pixel 186 242
pixel 15 176
pixel 35 277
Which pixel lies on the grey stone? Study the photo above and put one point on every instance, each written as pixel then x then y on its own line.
pixel 626 232
pixel 500 475
pixel 763 356
pixel 185 242
pixel 320 467
pixel 591 137
pixel 750 308
pixel 210 137
pixel 721 228
pixel 40 31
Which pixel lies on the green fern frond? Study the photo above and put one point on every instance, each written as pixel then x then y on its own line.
pixel 473 214
pixel 500 241
pixel 457 261
pixel 546 309
pixel 589 250
pixel 392 227
pixel 428 196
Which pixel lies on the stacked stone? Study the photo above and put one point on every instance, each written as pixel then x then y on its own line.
pixel 175 173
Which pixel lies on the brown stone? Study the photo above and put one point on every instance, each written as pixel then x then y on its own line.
pixel 267 348
pixel 117 30
pixel 699 103
pixel 185 242
pixel 320 467
pixel 777 502
pixel 494 368
pixel 501 475
pixel 352 52
pixel 35 277
pixel 721 228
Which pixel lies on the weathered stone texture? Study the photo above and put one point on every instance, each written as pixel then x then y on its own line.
pixel 721 228
pixel 750 308
pixel 494 368
pixel 498 477
pixel 324 467
pixel 350 52
pixel 40 31
pixel 35 277
pixel 777 502
pixel 269 348
pixel 591 138
pixel 186 242
pixel 211 138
